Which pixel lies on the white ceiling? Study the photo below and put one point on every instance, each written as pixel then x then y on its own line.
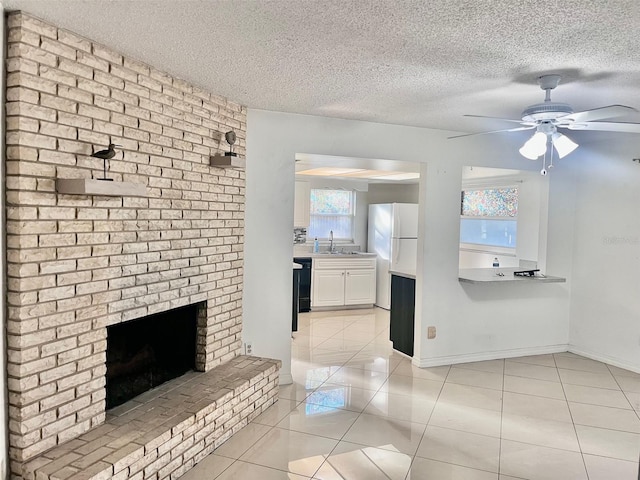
pixel 409 62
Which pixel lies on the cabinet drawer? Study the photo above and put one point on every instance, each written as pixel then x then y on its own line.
pixel 343 263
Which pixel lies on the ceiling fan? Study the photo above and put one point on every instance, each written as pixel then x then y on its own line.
pixel 547 117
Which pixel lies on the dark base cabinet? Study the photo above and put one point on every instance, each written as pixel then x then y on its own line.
pixel 403 305
pixel 296 300
pixel 304 305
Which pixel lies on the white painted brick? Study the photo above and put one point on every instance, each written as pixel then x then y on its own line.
pixel 109 104
pixel 20 94
pixel 107 54
pixel 31 53
pixel 93 112
pixel 92 61
pixel 30 140
pixel 22 123
pixel 75 41
pixel 58 293
pixel 74 431
pixel 57 130
pixel 75 94
pixel 69 381
pixel 156 232
pixel 23 35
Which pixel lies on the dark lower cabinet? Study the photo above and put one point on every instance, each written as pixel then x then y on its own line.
pixel 304 304
pixel 403 305
pixel 296 300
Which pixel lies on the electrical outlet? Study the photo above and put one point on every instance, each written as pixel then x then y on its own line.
pixel 431 333
pixel 248 348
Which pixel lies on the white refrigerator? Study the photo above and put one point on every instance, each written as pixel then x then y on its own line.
pixel 393 235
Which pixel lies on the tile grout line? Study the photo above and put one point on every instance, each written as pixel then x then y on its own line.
pixel 326 459
pixel 427 424
pixel 623 392
pixel 504 369
pixel 316 389
pixel 575 430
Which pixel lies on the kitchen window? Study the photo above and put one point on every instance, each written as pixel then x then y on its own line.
pixel 489 219
pixel 332 210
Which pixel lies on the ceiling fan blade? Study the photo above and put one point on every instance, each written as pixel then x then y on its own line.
pixel 605 126
pixel 494 131
pixel 609 111
pixel 497 118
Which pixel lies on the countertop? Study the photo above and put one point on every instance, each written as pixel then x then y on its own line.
pixel 335 255
pixel 489 275
pixel 403 274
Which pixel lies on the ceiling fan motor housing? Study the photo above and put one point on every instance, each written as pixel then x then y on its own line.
pixel 546 111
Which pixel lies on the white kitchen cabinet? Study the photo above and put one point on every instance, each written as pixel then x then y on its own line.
pixel 328 288
pixel 343 281
pixel 302 205
pixel 360 287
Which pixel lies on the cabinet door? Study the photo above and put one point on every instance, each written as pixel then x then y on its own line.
pixel 328 288
pixel 302 205
pixel 401 318
pixel 360 287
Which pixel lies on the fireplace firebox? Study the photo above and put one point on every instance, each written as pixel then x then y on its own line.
pixel 144 353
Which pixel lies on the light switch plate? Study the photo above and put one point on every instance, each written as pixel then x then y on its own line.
pixel 431 333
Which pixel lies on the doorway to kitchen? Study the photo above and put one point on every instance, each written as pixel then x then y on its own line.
pixel 321 186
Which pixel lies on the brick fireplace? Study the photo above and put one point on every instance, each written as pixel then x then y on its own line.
pixel 77 264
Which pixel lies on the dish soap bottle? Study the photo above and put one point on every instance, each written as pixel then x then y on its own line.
pixel 316 246
pixel 496 263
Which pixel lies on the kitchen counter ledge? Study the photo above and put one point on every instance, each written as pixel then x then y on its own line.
pixel 488 275
pixel 403 274
pixel 335 255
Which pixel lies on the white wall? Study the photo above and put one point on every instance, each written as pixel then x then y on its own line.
pixel 4 455
pixel 475 321
pixel 605 299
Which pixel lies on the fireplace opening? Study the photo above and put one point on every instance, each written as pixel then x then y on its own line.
pixel 144 353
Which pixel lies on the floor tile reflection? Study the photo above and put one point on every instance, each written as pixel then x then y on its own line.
pixel 358 410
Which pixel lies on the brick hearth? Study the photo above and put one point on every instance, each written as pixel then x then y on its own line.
pixel 167 431
pixel 78 263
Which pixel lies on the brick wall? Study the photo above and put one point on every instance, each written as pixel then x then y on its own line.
pixel 76 264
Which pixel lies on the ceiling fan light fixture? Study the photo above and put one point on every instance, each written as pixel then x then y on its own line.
pixel 535 146
pixel 563 144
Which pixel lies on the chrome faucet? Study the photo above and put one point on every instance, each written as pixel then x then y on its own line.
pixel 331 241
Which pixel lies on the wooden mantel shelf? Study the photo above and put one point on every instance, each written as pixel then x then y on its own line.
pixel 91 186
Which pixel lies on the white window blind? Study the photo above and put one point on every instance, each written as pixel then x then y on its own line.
pixel 332 210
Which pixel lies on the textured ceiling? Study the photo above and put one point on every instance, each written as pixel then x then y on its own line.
pixel 420 63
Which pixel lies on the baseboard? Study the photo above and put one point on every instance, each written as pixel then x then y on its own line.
pixel 603 358
pixel 342 307
pixel 495 355
pixel 398 352
pixel 286 379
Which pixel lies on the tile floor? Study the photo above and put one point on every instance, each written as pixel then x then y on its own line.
pixel 359 411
